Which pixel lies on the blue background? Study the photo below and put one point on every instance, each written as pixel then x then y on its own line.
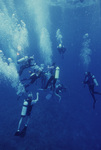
pixel 71 124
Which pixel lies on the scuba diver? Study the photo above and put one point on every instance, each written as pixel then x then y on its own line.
pixel 26 62
pixel 43 76
pixel 61 49
pixel 91 81
pixel 59 89
pixel 34 76
pixel 54 71
pixel 26 112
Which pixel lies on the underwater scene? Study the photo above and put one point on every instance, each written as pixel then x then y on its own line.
pixel 50 81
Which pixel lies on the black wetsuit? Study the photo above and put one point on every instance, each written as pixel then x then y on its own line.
pixel 60 88
pixel 61 50
pixel 27 65
pixel 89 80
pixel 33 78
pixel 52 79
pixel 29 107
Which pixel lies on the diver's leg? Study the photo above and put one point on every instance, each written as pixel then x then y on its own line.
pixel 25 79
pixel 92 93
pixel 20 123
pixel 49 81
pixel 31 82
pixel 33 79
pixel 28 118
pixel 94 100
pixel 17 133
pixel 54 82
pixel 58 96
pixel 27 85
pixel 21 69
pixel 97 93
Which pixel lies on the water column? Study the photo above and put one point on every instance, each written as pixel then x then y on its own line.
pixel 39 10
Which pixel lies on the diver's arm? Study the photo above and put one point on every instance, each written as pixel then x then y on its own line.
pixel 50 67
pixel 85 81
pixel 58 96
pixel 37 98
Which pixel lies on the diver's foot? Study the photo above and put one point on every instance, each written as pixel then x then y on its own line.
pixel 23 132
pixel 17 133
pixel 41 89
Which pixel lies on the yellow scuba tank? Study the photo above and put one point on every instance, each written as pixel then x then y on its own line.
pixel 24 108
pixel 22 60
pixel 95 81
pixel 57 71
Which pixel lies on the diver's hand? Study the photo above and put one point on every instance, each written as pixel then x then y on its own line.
pixel 37 94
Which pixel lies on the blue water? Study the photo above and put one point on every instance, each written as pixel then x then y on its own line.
pixel 72 124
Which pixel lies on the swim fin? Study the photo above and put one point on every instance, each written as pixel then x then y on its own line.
pixel 48 96
pixel 17 133
pixel 23 132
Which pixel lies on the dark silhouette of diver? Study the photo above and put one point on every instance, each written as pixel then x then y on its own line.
pixel 26 62
pixel 91 81
pixel 59 89
pixel 61 49
pixel 26 113
pixel 33 77
pixel 52 78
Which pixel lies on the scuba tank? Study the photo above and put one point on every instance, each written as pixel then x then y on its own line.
pixel 24 108
pixel 95 81
pixel 57 71
pixel 22 60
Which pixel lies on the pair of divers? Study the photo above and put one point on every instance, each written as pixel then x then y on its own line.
pixel 53 82
pixel 91 81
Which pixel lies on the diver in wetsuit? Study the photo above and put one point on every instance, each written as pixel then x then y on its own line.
pixel 26 112
pixel 59 89
pixel 61 49
pixel 26 62
pixel 34 76
pixel 52 80
pixel 91 82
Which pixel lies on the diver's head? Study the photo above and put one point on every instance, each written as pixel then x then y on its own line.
pixel 86 35
pixel 30 95
pixel 87 73
pixel 42 66
pixel 9 60
pixel 60 45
